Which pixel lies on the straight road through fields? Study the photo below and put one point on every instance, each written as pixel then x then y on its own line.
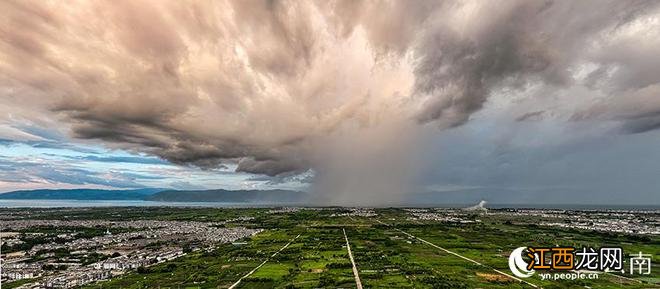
pixel 263 263
pixel 350 255
pixel 460 256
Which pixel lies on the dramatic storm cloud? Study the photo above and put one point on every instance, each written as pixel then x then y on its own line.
pixel 348 89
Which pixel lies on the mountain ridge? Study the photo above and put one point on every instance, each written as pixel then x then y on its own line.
pixel 233 196
pixel 161 195
pixel 81 194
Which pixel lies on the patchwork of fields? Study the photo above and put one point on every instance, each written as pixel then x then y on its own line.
pixel 306 248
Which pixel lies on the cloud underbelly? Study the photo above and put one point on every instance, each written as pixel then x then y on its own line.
pixel 344 88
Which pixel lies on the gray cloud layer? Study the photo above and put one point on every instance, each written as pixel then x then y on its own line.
pixel 264 83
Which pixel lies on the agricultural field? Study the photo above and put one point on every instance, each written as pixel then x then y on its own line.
pixel 392 248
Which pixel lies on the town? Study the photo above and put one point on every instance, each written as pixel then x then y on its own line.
pixel 66 258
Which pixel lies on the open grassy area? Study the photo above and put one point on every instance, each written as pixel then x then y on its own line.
pixel 316 260
pixel 385 256
pixel 218 268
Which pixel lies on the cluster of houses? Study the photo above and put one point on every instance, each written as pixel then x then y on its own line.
pixel 76 278
pixel 20 271
pixel 142 243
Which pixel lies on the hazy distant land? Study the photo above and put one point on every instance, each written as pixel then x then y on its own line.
pixel 161 195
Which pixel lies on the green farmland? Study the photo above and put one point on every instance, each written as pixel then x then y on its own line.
pixel 391 248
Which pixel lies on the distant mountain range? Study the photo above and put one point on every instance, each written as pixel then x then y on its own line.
pixel 163 195
pixel 239 196
pixel 81 194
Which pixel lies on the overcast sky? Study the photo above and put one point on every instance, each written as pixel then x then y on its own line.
pixel 354 101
